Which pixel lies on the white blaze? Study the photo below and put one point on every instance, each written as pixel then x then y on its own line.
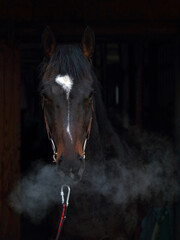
pixel 66 83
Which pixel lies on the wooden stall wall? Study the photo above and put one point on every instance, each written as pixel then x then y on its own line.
pixel 9 139
pixel 19 19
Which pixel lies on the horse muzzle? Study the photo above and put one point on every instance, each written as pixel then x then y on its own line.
pixel 71 168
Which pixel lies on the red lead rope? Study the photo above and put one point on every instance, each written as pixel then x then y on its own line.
pixel 61 221
pixel 65 205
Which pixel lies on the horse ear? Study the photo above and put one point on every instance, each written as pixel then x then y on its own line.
pixel 88 42
pixel 49 41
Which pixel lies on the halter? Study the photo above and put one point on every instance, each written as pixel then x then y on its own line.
pixel 51 138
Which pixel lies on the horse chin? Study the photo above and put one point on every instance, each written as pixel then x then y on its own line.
pixel 71 179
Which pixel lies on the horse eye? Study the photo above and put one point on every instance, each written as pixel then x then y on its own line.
pixel 91 95
pixel 45 97
pixel 90 99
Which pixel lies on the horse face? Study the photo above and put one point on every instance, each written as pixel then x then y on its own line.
pixel 67 95
pixel 69 121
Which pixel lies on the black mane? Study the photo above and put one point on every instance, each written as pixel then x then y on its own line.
pixel 68 59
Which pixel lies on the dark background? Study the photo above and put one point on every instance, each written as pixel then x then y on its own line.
pixel 136 60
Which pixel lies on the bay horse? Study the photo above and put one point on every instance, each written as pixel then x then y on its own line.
pixel 87 151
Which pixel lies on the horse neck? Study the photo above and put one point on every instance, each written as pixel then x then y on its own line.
pixel 103 139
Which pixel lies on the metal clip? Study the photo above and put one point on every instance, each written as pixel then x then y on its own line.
pixel 54 157
pixel 54 150
pixel 84 148
pixel 68 194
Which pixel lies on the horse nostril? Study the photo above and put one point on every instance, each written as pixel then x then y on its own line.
pixel 80 158
pixel 60 159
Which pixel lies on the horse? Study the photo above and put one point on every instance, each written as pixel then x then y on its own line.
pixel 87 151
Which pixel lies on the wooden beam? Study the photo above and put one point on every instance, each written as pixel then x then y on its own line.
pixel 10 139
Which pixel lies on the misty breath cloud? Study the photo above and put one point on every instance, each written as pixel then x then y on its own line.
pixel 36 192
pixel 154 182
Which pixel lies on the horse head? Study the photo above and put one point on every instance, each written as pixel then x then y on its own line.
pixel 67 99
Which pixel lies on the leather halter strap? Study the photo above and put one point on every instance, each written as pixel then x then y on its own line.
pixel 90 122
pixel 45 119
pixel 49 133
